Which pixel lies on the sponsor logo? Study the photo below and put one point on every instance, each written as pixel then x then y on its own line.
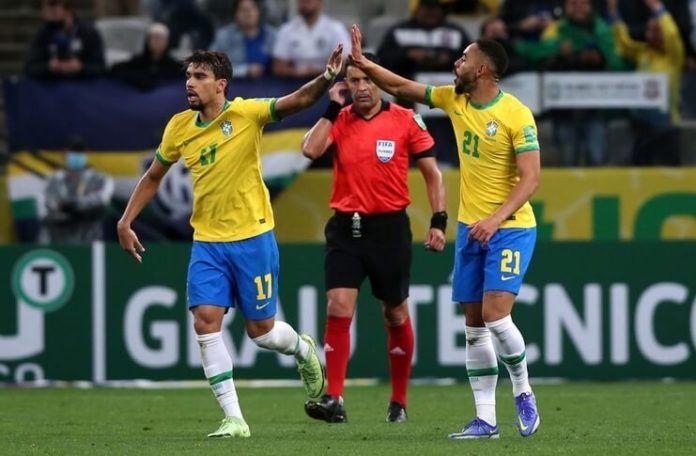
pixel 262 306
pixel 522 426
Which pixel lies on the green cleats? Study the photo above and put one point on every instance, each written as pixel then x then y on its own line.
pixel 231 427
pixel 311 371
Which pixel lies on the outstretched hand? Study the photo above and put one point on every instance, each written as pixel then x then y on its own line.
pixel 333 66
pixel 356 45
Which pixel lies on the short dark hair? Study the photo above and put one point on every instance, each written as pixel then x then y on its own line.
pixel 236 3
pixel 496 54
pixel 368 55
pixel 215 61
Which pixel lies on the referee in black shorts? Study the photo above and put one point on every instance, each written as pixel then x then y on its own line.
pixel 369 234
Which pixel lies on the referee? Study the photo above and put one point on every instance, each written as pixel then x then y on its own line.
pixel 369 234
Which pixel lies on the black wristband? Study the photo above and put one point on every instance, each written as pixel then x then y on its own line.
pixel 332 111
pixel 439 221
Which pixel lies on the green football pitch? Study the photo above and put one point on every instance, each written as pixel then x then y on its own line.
pixel 576 419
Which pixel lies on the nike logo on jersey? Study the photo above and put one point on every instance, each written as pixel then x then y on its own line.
pixel 262 306
pixel 397 351
pixel 505 278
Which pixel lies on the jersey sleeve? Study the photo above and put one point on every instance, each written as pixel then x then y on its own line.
pixel 419 137
pixel 523 130
pixel 167 152
pixel 439 96
pixel 261 110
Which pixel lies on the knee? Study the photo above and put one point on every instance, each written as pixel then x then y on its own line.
pixel 491 314
pixel 205 324
pixel 340 306
pixel 258 328
pixel 395 315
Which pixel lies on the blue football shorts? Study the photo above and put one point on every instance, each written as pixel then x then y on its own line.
pixel 499 266
pixel 241 274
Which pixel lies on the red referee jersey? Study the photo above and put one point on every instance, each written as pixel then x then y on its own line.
pixel 371 158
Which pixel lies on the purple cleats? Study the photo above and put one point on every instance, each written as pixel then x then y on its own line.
pixel 527 417
pixel 477 429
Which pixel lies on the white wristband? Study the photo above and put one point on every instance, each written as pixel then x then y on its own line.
pixel 328 75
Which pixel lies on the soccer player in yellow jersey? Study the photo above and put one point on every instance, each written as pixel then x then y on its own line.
pixel 499 167
pixel 234 257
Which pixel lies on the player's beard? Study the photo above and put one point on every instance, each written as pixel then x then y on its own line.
pixel 196 106
pixel 462 85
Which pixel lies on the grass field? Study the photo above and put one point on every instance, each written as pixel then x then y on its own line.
pixel 577 418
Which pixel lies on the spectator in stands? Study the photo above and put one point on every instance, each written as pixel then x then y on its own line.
pixel 305 43
pixel 657 137
pixel 527 19
pixel 425 42
pixel 185 18
pixel 636 14
pixel 247 41
pixel 579 41
pixel 64 46
pixel 76 199
pixel 154 65
pixel 494 28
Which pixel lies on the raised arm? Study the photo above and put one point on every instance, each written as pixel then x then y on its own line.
pixel 144 191
pixel 392 83
pixel 309 93
pixel 674 45
pixel 318 139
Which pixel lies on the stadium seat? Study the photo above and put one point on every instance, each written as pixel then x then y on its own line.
pixel 123 37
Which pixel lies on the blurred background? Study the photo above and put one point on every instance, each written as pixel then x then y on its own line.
pixel 88 86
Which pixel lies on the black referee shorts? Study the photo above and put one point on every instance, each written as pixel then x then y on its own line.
pixel 383 254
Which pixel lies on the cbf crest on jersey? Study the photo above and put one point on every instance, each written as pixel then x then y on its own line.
pixel 226 127
pixel 491 128
pixel 385 150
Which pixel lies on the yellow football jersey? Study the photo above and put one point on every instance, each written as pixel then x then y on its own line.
pixel 488 137
pixel 230 200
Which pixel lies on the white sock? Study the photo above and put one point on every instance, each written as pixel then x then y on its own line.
pixel 482 368
pixel 510 347
pixel 282 338
pixel 217 366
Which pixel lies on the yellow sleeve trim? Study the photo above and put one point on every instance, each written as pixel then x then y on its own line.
pixel 526 148
pixel 161 159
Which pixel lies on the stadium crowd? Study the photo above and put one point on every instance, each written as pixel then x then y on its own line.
pixel 264 38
